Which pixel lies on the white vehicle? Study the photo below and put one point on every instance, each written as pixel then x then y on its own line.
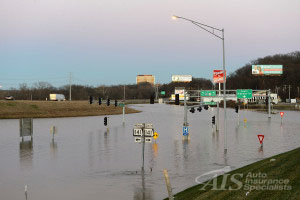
pixel 57 97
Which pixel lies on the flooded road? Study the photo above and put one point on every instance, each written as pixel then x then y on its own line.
pixel 84 161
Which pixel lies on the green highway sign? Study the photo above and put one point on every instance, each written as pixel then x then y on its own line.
pixel 208 93
pixel 244 94
pixel 210 103
pixel 121 104
pixel 163 92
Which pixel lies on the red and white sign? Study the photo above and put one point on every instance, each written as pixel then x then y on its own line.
pixel 218 76
pixel 261 138
pixel 281 114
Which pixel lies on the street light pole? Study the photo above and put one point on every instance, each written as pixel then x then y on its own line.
pixel 205 27
pixel 224 96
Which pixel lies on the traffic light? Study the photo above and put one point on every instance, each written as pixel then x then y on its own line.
pixel 192 110
pixel 105 121
pixel 91 100
pixel 199 109
pixel 267 100
pixel 176 99
pixel 206 107
pixel 213 120
pixel 151 99
pixel 108 102
pixel 237 109
pixel 116 103
pixel 100 101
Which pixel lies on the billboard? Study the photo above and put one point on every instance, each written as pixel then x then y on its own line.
pixel 266 70
pixel 182 78
pixel 218 76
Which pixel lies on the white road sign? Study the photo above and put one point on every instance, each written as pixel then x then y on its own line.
pixel 149 140
pixel 149 126
pixel 137 132
pixel 148 132
pixel 137 139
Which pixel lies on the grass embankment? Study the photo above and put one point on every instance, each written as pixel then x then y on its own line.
pixel 45 109
pixel 286 166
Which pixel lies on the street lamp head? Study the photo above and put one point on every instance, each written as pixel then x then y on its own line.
pixel 174 17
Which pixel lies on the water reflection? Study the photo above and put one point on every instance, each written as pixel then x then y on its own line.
pixel 53 148
pixel 142 192
pixel 261 151
pixel 26 154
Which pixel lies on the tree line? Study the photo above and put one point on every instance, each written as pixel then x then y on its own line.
pixel 242 78
pixel 41 90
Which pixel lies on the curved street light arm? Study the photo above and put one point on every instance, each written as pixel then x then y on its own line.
pixel 194 22
pixel 208 31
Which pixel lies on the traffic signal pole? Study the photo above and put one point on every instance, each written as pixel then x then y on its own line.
pixel 218 114
pixel 185 111
pixel 124 114
pixel 269 103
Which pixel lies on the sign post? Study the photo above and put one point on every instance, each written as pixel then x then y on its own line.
pixel 26 127
pixel 218 114
pixel 143 133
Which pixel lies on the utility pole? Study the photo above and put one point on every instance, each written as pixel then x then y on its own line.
pixel 124 93
pixel 124 107
pixel 269 103
pixel 156 91
pixel 289 86
pixel 290 93
pixel 224 95
pixel 70 90
pixel 185 111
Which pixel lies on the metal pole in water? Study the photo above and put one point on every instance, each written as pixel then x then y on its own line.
pixel 217 126
pixel 143 150
pixel 269 103
pixel 169 188
pixel 124 107
pixel 185 111
pixel 124 114
pixel 239 113
pixel 25 190
pixel 224 95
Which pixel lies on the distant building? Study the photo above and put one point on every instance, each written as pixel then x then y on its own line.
pixel 145 78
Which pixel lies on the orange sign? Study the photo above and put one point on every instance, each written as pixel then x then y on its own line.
pixel 218 76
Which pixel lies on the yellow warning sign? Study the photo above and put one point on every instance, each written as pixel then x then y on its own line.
pixel 155 136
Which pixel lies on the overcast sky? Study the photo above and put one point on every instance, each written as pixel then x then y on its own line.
pixel 111 41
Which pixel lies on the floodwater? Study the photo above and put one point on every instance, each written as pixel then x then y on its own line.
pixel 84 161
